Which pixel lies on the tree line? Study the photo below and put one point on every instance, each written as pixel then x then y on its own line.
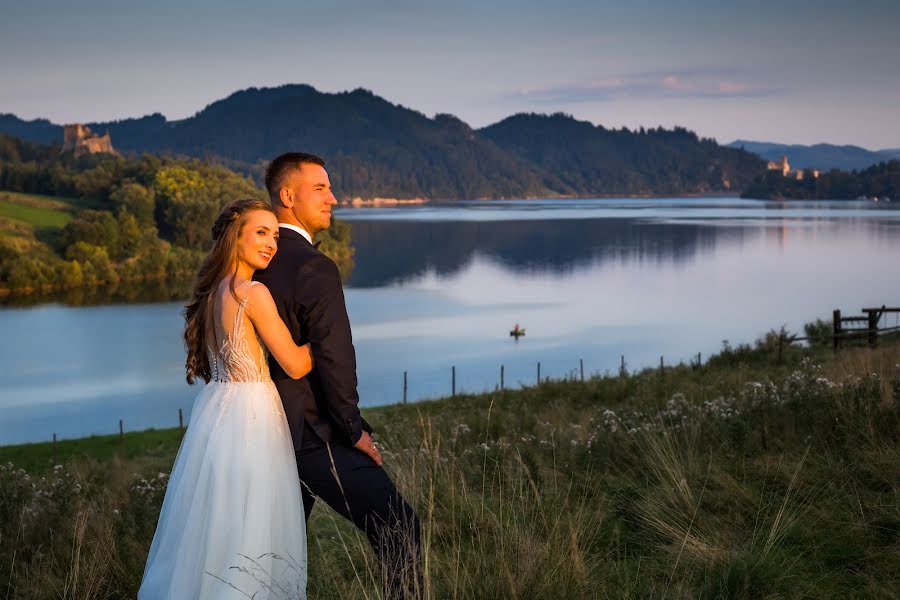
pixel 878 181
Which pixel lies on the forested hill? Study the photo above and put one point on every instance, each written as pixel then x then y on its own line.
pixel 819 156
pixel 593 159
pixel 374 147
pixel 41 131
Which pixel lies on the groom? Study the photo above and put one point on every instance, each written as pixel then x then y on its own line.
pixel 336 458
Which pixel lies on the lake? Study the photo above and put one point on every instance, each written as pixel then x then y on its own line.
pixel 440 286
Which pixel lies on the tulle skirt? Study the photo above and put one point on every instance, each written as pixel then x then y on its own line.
pixel 232 522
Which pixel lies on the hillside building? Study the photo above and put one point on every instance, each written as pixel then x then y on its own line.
pixel 780 165
pixel 785 167
pixel 80 140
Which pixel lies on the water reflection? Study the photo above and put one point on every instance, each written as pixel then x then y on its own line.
pixel 391 252
pixel 122 292
pixel 394 252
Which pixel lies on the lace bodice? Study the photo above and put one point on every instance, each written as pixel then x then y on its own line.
pixel 241 355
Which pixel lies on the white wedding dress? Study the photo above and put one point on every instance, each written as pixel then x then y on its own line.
pixel 232 523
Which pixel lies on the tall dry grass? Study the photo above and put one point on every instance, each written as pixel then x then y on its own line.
pixel 731 481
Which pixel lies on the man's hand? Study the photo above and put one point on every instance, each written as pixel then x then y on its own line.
pixel 366 446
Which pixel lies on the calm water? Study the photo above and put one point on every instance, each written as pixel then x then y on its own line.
pixel 437 286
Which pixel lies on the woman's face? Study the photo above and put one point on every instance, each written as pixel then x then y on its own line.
pixel 258 240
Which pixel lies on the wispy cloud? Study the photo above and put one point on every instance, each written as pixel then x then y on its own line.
pixel 685 83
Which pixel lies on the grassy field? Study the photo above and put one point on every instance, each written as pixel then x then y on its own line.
pixel 37 212
pixel 743 478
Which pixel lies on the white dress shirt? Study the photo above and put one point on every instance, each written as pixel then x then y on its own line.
pixel 299 230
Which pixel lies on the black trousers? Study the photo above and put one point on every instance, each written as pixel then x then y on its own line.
pixel 358 489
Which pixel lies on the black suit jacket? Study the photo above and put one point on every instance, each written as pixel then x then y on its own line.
pixel 306 286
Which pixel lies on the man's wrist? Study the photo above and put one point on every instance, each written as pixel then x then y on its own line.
pixel 358 435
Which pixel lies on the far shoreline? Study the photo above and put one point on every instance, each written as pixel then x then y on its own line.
pixel 359 202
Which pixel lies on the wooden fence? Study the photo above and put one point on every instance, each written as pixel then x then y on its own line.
pixel 861 328
pixel 846 329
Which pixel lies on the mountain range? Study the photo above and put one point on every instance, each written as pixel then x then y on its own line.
pixel 375 148
pixel 819 156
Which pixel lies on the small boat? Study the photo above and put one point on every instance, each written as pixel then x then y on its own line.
pixel 517 332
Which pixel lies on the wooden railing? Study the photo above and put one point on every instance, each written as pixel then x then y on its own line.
pixel 862 327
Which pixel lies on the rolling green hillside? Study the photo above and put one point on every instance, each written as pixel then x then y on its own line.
pixel 36 211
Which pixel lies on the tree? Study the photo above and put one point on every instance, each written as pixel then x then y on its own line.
pixel 152 255
pixel 95 263
pixel 335 242
pixel 94 227
pixel 137 199
pixel 129 235
pixel 30 273
pixel 183 213
pixel 70 274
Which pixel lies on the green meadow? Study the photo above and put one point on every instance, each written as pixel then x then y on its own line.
pixel 36 211
pixel 758 474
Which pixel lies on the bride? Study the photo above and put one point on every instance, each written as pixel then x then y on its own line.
pixel 232 522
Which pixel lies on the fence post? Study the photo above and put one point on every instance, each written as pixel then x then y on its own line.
pixel 54 449
pixel 622 367
pixel 661 366
pixel 873 328
pixel 181 420
pixel 501 378
pixel 404 387
pixel 836 330
pixel 453 380
pixel 121 436
pixel 539 373
pixel 581 366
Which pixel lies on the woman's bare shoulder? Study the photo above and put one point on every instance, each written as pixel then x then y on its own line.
pixel 258 296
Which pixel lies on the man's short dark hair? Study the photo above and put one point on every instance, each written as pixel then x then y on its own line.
pixel 282 165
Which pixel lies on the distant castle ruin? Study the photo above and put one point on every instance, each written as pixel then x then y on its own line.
pixel 80 140
pixel 785 167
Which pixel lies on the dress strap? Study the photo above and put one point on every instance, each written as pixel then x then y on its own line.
pixel 238 328
pixel 238 320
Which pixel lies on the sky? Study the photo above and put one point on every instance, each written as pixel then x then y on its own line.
pixel 797 71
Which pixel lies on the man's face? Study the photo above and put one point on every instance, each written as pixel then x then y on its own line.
pixel 310 191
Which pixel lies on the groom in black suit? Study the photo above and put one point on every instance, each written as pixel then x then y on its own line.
pixel 336 458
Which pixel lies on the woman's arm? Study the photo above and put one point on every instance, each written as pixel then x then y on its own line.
pixel 296 360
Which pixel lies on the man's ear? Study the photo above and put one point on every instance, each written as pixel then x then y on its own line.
pixel 286 197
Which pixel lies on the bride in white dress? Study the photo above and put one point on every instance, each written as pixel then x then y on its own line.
pixel 232 522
